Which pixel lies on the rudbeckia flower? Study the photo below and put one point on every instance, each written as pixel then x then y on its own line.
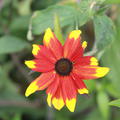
pixel 64 69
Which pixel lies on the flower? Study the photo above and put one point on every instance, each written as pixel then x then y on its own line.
pixel 63 68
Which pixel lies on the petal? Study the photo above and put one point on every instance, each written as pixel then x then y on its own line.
pixel 82 89
pixel 86 60
pixel 36 49
pixel 58 103
pixel 40 65
pixel 71 103
pixel 101 71
pixel 49 97
pixel 30 64
pixel 93 61
pixel 57 99
pixel 73 47
pixel 52 43
pixel 69 92
pixel 84 44
pixel 51 90
pixel 39 51
pixel 42 82
pixel 90 72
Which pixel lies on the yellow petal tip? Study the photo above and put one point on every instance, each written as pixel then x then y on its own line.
pixel 84 44
pixel 75 34
pixel 48 36
pixel 30 63
pixel 31 89
pixel 58 103
pixel 83 91
pixel 35 50
pixel 26 94
pixel 71 104
pixel 102 71
pixel 93 61
pixel 49 99
pixel 48 29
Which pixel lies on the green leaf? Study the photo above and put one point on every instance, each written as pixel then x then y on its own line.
pixel 20 23
pixel 112 2
pixel 43 19
pixel 104 31
pixel 11 44
pixel 84 11
pixel 68 15
pixel 111 59
pixel 102 99
pixel 115 103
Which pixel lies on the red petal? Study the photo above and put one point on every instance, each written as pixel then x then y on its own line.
pixel 52 88
pixel 82 89
pixel 42 82
pixel 69 92
pixel 73 47
pixel 52 43
pixel 57 99
pixel 68 87
pixel 39 51
pixel 90 72
pixel 40 65
pixel 86 60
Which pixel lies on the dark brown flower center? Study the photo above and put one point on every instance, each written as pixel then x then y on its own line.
pixel 63 66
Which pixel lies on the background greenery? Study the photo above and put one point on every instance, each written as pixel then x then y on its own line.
pixel 23 22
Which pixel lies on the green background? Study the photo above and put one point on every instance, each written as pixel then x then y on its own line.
pixel 23 22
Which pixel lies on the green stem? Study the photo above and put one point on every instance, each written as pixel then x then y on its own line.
pixel 57 29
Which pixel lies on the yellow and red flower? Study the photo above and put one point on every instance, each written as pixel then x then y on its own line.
pixel 63 68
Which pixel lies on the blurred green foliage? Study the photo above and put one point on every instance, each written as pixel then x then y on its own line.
pixel 25 20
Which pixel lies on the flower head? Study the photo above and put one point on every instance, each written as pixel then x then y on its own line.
pixel 64 69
